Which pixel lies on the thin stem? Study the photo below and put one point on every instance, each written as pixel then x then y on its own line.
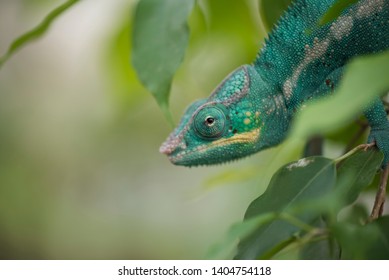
pixel 311 237
pixel 380 196
pixel 353 151
pixel 278 248
pixel 296 222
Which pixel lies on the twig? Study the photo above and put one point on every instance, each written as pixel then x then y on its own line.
pixel 364 147
pixel 379 202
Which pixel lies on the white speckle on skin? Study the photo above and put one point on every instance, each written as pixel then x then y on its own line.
pixel 318 49
pixel 338 30
pixel 341 27
pixel 287 88
pixel 369 7
pixel 301 163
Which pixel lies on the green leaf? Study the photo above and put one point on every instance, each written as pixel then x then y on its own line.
pixel 236 232
pixel 369 242
pixel 160 37
pixel 124 84
pixel 364 78
pixel 293 184
pixel 336 9
pixel 271 11
pixel 36 32
pixel 355 173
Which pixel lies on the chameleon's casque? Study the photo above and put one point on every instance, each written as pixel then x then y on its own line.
pixel 253 107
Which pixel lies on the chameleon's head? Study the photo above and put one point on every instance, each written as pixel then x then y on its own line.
pixel 223 127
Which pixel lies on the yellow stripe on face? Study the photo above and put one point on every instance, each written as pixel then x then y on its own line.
pixel 246 137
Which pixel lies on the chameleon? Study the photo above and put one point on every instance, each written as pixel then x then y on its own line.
pixel 252 108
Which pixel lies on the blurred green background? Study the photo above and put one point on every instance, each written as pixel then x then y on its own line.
pixel 80 172
pixel 81 176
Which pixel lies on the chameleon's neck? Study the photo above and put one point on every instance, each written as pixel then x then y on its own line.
pixel 300 55
pixel 272 107
pixel 276 118
pixel 286 45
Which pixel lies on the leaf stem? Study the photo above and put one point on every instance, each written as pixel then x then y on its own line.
pixel 312 237
pixel 353 151
pixel 294 242
pixel 296 222
pixel 278 248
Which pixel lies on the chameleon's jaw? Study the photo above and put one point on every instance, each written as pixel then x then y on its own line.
pixel 215 152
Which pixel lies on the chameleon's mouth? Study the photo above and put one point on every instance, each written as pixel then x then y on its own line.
pixel 211 153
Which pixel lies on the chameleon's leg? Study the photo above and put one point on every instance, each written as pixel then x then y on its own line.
pixel 379 132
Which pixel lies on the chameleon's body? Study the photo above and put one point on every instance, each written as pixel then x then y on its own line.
pixel 253 107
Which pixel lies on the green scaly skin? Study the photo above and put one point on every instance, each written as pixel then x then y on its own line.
pixel 253 107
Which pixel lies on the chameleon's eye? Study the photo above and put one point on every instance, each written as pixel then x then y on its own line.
pixel 210 122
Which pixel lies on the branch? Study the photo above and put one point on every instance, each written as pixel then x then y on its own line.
pixel 380 196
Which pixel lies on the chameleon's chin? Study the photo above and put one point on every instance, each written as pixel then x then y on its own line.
pixel 179 161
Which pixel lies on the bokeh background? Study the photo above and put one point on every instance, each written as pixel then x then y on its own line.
pixel 80 172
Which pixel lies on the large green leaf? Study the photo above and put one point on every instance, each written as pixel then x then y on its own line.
pixel 364 78
pixel 271 11
pixel 356 173
pixel 369 241
pixel 160 37
pixel 295 183
pixel 36 32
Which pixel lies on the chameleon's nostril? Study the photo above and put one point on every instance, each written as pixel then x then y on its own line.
pixel 166 148
pixel 170 145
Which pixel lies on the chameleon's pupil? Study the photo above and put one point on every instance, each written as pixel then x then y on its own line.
pixel 209 121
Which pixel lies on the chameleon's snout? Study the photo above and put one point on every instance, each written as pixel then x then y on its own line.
pixel 166 148
pixel 170 145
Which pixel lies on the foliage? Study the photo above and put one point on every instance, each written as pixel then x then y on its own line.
pixel 299 194
pixel 38 31
pixel 160 37
pixel 300 210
